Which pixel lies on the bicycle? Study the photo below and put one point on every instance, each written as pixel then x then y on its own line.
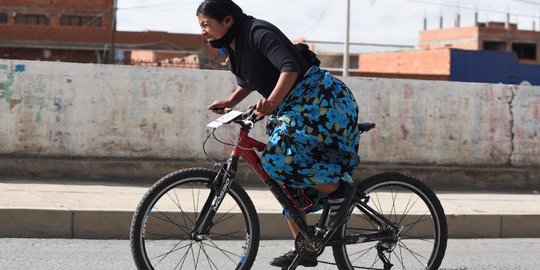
pixel 201 219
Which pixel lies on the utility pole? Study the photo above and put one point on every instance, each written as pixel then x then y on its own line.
pixel 112 57
pixel 346 49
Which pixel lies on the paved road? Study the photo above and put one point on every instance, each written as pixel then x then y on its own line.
pixel 57 254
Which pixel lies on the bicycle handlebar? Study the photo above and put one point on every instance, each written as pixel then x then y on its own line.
pixel 245 119
pixel 248 117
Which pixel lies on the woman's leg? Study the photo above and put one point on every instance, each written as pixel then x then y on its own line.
pixel 293 227
pixel 326 188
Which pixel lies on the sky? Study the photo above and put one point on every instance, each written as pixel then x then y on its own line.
pixel 372 21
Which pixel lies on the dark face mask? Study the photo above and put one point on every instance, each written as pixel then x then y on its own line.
pixel 226 40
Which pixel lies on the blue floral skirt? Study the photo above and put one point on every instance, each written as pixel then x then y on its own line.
pixel 313 137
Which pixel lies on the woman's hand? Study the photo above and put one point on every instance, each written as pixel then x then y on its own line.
pixel 265 107
pixel 281 90
pixel 220 106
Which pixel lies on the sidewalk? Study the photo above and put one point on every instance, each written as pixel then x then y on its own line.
pixel 103 211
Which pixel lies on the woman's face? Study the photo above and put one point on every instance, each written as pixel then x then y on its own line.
pixel 213 29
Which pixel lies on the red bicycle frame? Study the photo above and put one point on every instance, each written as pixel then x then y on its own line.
pixel 245 148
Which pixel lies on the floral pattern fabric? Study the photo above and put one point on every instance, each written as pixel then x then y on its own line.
pixel 313 136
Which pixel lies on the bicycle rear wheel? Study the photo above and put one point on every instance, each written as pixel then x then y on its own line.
pixel 417 233
pixel 162 224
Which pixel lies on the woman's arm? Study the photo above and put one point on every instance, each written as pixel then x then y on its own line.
pixel 283 86
pixel 237 95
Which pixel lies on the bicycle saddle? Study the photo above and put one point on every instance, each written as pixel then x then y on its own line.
pixel 365 127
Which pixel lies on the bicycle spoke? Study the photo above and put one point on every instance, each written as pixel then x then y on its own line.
pixel 414 254
pixel 393 209
pixel 195 205
pixel 408 210
pixel 183 260
pixel 400 257
pixel 410 226
pixel 423 238
pixel 184 214
pixel 198 257
pixel 193 257
pixel 218 235
pixel 366 218
pixel 378 205
pixel 210 261
pixel 168 219
pixel 225 252
pixel 375 261
pixel 364 252
pixel 222 218
pixel 162 235
pixel 174 249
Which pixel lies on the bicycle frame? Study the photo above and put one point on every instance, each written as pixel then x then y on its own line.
pixel 246 148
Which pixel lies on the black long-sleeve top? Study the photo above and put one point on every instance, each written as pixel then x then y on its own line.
pixel 262 52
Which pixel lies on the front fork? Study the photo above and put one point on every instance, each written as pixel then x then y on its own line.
pixel 218 190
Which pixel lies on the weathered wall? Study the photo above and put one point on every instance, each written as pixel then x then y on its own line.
pixel 84 110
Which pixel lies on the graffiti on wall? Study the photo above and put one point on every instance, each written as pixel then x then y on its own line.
pixel 6 92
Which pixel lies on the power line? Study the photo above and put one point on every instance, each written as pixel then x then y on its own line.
pixel 273 3
pixel 528 2
pixel 471 8
pixel 318 20
pixel 360 44
pixel 152 5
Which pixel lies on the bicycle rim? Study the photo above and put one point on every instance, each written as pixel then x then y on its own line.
pixel 419 242
pixel 165 232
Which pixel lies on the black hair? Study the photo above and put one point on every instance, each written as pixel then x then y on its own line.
pixel 219 9
pixel 308 55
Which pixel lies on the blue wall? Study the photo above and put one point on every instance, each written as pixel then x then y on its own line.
pixel 491 67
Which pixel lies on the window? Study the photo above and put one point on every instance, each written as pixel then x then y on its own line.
pixel 31 19
pixel 80 21
pixel 3 18
pixel 495 46
pixel 525 50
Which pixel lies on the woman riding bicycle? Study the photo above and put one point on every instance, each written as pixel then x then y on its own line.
pixel 313 135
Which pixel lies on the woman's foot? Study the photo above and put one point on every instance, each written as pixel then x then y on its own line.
pixel 286 259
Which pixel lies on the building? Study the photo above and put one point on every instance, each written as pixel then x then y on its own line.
pixel 491 36
pixel 486 52
pixel 84 31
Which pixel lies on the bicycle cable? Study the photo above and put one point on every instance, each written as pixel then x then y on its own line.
pixel 205 141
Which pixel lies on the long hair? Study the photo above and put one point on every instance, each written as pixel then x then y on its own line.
pixel 219 9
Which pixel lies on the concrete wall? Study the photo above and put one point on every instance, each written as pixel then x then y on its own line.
pixel 94 111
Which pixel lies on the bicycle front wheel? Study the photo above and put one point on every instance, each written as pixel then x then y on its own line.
pixel 161 230
pixel 413 234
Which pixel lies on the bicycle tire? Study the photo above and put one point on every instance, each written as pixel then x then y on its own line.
pixel 408 203
pixel 159 234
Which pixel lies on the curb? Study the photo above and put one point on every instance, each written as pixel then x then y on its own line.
pixel 148 171
pixel 115 224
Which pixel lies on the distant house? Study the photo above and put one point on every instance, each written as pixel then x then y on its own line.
pixel 84 32
pixel 487 52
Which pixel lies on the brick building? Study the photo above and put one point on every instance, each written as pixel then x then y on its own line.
pixel 83 31
pixel 491 36
pixel 487 52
